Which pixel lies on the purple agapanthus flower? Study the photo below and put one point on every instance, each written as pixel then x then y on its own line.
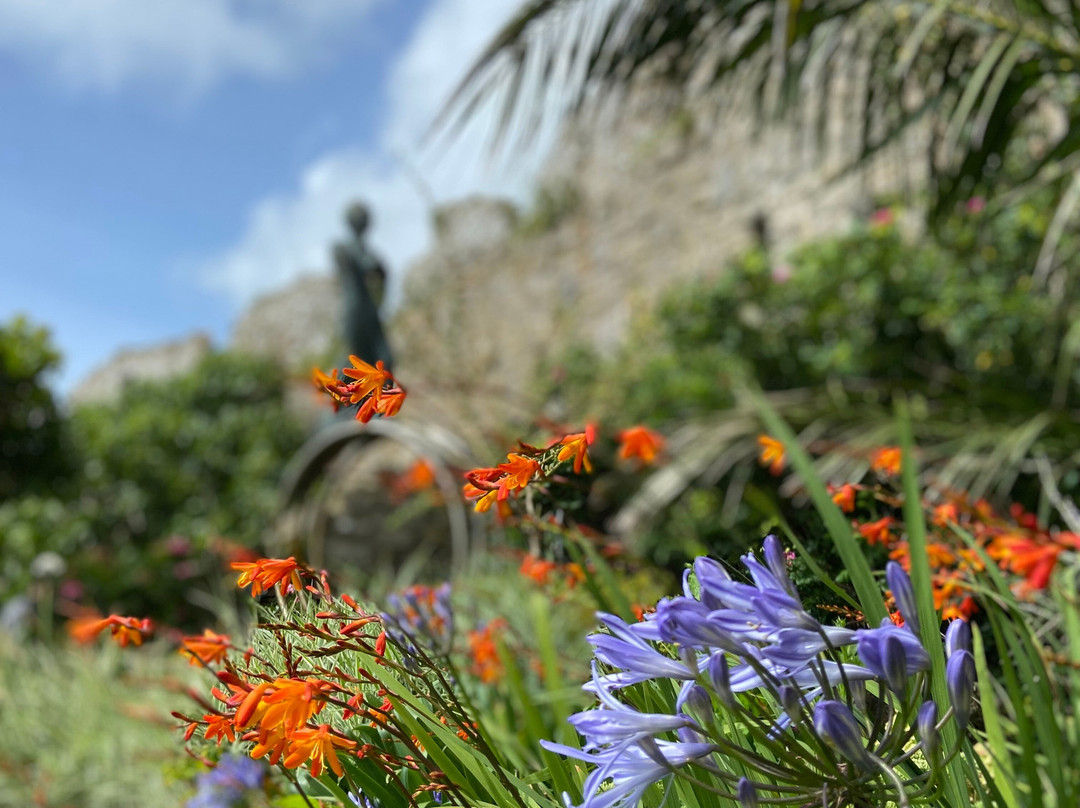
pixel 617 723
pixel 630 769
pixel 421 615
pixel 226 784
pixel 626 649
pixel 732 637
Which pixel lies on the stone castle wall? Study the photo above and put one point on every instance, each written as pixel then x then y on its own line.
pixel 653 196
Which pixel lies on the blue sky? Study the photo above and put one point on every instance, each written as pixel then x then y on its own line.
pixel 162 163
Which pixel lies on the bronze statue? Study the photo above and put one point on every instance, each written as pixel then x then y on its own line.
pixel 363 283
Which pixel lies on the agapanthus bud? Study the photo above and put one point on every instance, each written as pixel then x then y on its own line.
pixel 695 702
pixel 894 661
pixel 903 593
pixel 960 683
pixel 957 637
pixel 720 678
pixel 747 793
pixel 871 644
pixel 857 691
pixel 926 723
pixel 776 559
pixel 836 725
pixel 789 700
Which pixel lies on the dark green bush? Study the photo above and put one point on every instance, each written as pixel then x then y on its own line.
pixel 33 456
pixel 169 481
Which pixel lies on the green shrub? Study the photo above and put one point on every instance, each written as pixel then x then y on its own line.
pixel 171 480
pixel 32 450
pixel 956 323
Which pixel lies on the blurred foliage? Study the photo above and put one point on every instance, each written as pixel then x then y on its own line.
pixel 172 481
pixel 33 455
pixel 90 729
pixel 954 319
pixel 833 334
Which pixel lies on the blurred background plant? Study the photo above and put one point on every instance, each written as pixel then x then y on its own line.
pixel 89 727
pixel 148 499
pixel 832 335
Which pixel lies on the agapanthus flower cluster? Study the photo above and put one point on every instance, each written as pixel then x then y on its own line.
pixel 421 615
pixel 372 389
pixel 835 715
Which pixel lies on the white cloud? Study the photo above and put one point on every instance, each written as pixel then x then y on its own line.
pixel 290 232
pixel 185 44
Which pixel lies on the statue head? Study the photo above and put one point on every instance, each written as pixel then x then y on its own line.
pixel 358 218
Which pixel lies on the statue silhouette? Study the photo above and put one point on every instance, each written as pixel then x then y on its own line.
pixel 363 283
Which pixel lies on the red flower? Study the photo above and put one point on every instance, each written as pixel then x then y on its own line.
pixel 640 442
pixel 844 497
pixel 886 461
pixel 877 532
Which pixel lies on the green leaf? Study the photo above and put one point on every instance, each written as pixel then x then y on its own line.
pixel 869 594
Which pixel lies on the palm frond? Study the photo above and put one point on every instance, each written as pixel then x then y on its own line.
pixel 986 78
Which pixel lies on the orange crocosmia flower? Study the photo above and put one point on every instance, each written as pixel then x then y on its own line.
pixel 517 472
pixel 267 572
pixel 772 454
pixel 576 446
pixel 945 515
pixel 844 497
pixel 323 382
pixel 951 598
pixel 886 460
pixel 537 569
pixel 356 707
pixel 877 532
pixel 389 403
pixel 486 500
pixel 420 476
pixel 640 442
pixel 369 380
pixel 208 649
pixel 269 742
pixel 316 745
pixel 294 702
pixel 220 727
pixel 1035 560
pixel 482 485
pixel 125 630
pixel 251 708
pixel 940 555
pixel 484 653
